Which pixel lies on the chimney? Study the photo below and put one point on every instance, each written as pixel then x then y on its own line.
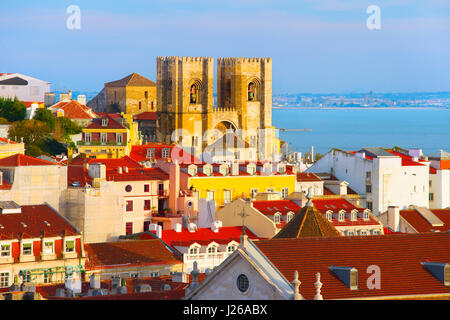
pixel 159 231
pixel 81 99
pixel 393 218
pixel 235 168
pixel 192 227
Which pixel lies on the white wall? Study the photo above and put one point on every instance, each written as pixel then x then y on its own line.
pixel 440 187
pixel 34 91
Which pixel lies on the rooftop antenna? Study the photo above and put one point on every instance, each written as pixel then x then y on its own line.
pixel 243 215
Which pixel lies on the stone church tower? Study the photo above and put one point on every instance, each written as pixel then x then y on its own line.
pixel 187 114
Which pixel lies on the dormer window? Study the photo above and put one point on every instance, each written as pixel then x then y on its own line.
pixel 69 246
pixel 267 168
pixel 353 215
pixel 224 169
pixel 276 217
pixel 5 250
pixel 348 275
pixel 231 248
pixel 289 216
pixel 366 215
pixel 341 216
pixel 282 168
pixel 251 169
pixel 104 122
pixel 150 153
pixel 27 248
pixel 329 215
pixel 193 250
pixel 207 170
pixel 192 170
pixel 212 248
pixel 166 153
pixel 49 247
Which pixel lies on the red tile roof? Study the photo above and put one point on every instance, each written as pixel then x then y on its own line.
pixel 398 256
pixel 18 160
pixel 204 236
pixel 419 223
pixel 75 110
pixel 34 218
pixel 307 177
pixel 111 115
pixel 77 172
pixel 406 160
pixel 112 124
pixel 3 140
pixel 270 207
pixel 146 116
pixel 139 153
pixel 130 252
pixel 133 79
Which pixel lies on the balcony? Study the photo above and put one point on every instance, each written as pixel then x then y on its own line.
pixel 163 193
pixel 98 143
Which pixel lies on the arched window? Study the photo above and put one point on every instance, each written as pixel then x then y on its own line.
pixel 212 249
pixel 289 216
pixel 276 218
pixel 329 215
pixel 251 91
pixel 194 92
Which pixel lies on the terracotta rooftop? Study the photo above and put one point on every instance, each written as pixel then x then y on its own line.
pixel 18 160
pixel 308 222
pixel 146 116
pixel 270 207
pixel 112 124
pixel 133 79
pixel 32 221
pixel 419 223
pixel 75 110
pixel 130 252
pixel 139 153
pixel 307 177
pixel 398 256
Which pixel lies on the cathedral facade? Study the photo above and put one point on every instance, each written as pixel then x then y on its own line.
pixel 187 114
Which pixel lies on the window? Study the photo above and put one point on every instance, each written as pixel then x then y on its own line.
pixel 129 205
pixel 119 138
pixel 231 248
pixel 48 247
pixel 353 216
pixel 376 232
pixel 129 228
pixel 47 276
pixel 128 188
pixel 147 225
pixel 366 215
pixel 227 196
pixel 242 283
pixel 147 205
pixel 134 275
pixel 27 249
pixel 212 249
pixel 154 274
pixel 5 250
pixel 430 183
pixel 284 192
pixel 289 216
pixel 70 246
pixel 103 138
pixel 368 175
pixel 146 188
pixel 351 233
pixel 276 218
pixel 368 188
pixel 369 205
pixel 165 152
pixel 207 170
pixel 140 105
pixel 270 190
pixel 329 216
pixel 193 250
pixel 87 138
pixel 253 192
pixel 195 93
pixel 4 280
pixel 341 216
pixel 363 233
pixel 146 94
pixel 431 197
pixel 210 195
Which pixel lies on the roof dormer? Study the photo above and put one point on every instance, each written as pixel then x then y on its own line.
pixel 207 169
pixel 267 168
pixel 354 215
pixel 105 122
pixel 224 169
pixel 192 170
pixel 150 153
pixel 440 270
pixel 348 275
pixel 10 207
pixel 251 168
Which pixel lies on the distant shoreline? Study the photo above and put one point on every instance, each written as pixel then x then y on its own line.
pixel 362 108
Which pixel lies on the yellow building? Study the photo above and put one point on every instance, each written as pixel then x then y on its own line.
pixel 133 94
pixel 9 148
pixel 224 183
pixel 244 102
pixel 107 137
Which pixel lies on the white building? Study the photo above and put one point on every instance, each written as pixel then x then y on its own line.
pixel 25 88
pixel 382 177
pixel 439 180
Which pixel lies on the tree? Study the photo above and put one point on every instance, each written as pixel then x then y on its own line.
pixel 45 116
pixel 12 109
pixel 32 131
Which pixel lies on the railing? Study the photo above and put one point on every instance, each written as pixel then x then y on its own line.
pixel 98 143
pixel 206 256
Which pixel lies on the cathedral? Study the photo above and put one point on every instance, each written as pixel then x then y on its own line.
pixel 188 116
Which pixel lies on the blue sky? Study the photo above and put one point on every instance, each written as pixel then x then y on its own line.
pixel 318 46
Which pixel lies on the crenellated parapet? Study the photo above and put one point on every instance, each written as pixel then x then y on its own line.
pixel 175 59
pixel 236 61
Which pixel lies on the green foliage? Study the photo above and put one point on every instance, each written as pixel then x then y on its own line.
pixel 45 116
pixel 3 121
pixel 32 131
pixel 33 151
pixel 12 109
pixel 51 146
pixel 70 127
